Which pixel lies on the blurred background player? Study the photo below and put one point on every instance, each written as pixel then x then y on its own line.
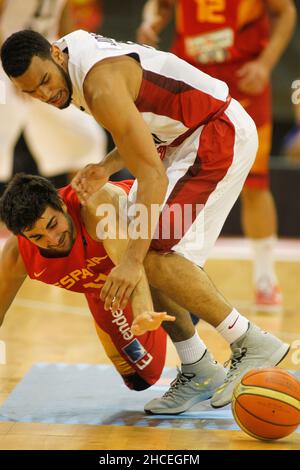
pixel 61 142
pixel 86 14
pixel 239 42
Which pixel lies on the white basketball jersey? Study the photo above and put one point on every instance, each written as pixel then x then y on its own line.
pixel 175 98
pixel 42 16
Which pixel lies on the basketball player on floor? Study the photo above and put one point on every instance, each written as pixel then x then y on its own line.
pixel 56 241
pixel 231 41
pixel 207 144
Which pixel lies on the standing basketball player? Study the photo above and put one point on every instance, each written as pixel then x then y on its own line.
pixel 156 105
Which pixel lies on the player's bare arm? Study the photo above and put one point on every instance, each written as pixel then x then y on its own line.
pixel 253 76
pixel 141 301
pixel 283 17
pixel 12 274
pixel 110 89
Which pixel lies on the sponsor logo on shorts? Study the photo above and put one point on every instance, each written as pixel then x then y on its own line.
pixel 134 350
pixel 137 354
pixel 120 320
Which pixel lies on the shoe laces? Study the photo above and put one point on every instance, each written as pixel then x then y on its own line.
pixel 234 360
pixel 181 379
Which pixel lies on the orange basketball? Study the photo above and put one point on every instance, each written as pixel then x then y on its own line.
pixel 266 403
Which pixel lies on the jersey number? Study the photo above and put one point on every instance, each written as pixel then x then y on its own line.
pixel 211 11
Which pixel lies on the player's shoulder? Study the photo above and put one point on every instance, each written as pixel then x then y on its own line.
pixel 11 248
pixel 110 193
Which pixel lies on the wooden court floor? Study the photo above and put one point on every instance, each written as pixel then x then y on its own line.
pixel 46 324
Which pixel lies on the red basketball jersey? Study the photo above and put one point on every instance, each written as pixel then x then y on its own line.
pixel 218 31
pixel 85 270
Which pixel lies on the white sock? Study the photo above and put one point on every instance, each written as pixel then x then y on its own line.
pixel 233 327
pixel 264 276
pixel 190 350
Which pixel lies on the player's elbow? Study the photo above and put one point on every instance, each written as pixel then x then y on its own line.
pixel 163 179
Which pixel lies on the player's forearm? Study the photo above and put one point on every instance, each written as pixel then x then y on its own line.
pixel 150 196
pixel 7 298
pixel 283 26
pixel 113 162
pixel 141 300
pixel 12 274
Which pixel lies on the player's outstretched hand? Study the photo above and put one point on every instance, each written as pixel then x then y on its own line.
pixel 149 321
pixel 88 180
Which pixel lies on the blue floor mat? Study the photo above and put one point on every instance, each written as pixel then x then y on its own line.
pixel 96 395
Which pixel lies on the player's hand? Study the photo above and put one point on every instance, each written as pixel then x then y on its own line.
pixel 149 321
pixel 253 77
pixel 88 180
pixel 120 284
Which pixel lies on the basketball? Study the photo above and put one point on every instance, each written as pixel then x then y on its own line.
pixel 266 403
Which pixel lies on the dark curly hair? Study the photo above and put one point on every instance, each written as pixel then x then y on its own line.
pixel 25 199
pixel 19 49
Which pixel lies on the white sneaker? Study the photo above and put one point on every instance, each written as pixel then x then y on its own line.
pixel 256 348
pixel 193 384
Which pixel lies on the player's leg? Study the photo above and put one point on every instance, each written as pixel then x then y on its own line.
pixel 123 366
pixel 199 374
pixel 198 365
pixel 139 360
pixel 189 285
pixel 259 218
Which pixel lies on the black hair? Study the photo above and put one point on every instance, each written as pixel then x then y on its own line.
pixel 19 49
pixel 25 199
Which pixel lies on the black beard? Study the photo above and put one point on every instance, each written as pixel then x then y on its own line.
pixel 68 81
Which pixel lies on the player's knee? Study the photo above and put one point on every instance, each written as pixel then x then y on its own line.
pixel 135 382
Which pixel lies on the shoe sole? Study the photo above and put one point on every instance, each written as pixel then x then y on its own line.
pixel 178 411
pixel 276 359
